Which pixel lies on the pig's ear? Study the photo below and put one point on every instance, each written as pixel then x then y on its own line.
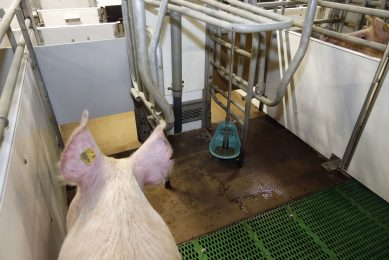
pixel 81 156
pixel 151 162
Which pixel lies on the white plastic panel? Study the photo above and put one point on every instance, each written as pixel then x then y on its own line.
pixel 32 204
pixel 193 58
pixel 51 4
pixel 108 2
pixel 74 16
pixel 78 33
pixel 89 75
pixel 323 103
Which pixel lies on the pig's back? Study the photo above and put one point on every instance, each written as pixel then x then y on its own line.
pixel 121 225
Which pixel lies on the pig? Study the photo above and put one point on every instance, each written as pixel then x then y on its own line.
pixel 376 31
pixel 110 217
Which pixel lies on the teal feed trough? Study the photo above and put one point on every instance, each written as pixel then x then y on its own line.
pixel 232 150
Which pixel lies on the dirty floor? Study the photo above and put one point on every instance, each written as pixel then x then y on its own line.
pixel 208 194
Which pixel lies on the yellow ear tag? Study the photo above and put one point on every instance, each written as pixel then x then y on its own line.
pixel 88 156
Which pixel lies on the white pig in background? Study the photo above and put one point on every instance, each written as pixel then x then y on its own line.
pixel 110 217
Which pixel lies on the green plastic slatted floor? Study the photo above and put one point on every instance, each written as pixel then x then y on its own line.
pixel 345 221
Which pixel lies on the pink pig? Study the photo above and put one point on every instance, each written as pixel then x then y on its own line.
pixel 376 31
pixel 110 217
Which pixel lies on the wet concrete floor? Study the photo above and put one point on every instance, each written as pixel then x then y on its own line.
pixel 208 193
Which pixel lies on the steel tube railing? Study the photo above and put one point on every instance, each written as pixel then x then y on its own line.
pixel 221 92
pixel 232 27
pixel 154 49
pixel 144 65
pixel 346 37
pixel 303 46
pixel 367 107
pixel 350 8
pixel 9 86
pixel 228 45
pixel 7 19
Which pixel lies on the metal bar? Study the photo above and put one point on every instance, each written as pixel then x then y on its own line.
pixel 10 34
pixel 150 106
pixel 350 8
pixel 303 46
pixel 176 49
pixel 218 46
pixel 232 27
pixel 24 26
pixel 9 87
pixel 228 46
pixel 368 105
pixel 213 12
pixel 260 11
pixel 143 62
pixel 271 5
pixel 217 101
pixel 369 3
pixel 240 82
pixel 361 17
pixel 342 17
pixel 157 69
pixel 329 20
pixel 260 88
pixel 249 95
pixel 127 33
pixel 230 61
pixel 154 43
pixel 7 19
pixel 25 5
pixel 221 92
pixel 242 45
pixel 347 38
pixel 208 73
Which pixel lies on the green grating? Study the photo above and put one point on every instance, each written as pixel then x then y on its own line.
pixel 344 222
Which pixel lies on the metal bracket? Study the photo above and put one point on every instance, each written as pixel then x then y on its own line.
pixel 332 164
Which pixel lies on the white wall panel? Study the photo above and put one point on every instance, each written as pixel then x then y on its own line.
pixel 78 33
pixel 51 4
pixel 74 16
pixel 89 75
pixel 32 203
pixel 323 103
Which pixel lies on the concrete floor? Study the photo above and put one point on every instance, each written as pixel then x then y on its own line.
pixel 208 193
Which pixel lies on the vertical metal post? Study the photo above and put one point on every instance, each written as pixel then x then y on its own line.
pixel 362 16
pixel 26 5
pixel 260 87
pixel 127 34
pixel 368 105
pixel 208 74
pixel 176 45
pixel 242 45
pixel 343 15
pixel 10 34
pixel 38 75
pixel 230 62
pixel 249 95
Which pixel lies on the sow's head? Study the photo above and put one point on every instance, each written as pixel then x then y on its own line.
pixel 82 161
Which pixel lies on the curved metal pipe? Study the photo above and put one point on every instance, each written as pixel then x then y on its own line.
pixel 155 52
pixel 232 27
pixel 303 46
pixel 144 65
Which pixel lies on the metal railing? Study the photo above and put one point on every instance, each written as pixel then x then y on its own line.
pixel 24 19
